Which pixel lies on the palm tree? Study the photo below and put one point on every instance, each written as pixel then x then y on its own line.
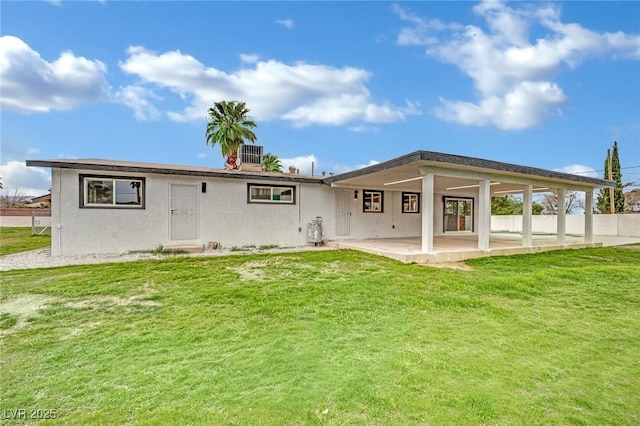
pixel 229 126
pixel 271 163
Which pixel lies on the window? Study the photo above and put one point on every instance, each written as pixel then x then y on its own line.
pixel 410 202
pixel 271 194
pixel 372 201
pixel 111 192
pixel 458 214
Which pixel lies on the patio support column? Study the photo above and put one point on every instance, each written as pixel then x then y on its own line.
pixel 527 216
pixel 588 216
pixel 562 217
pixel 484 214
pixel 427 212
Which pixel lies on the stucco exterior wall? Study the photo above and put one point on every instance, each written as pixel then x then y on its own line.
pixel 388 224
pixel 224 216
pixel 617 225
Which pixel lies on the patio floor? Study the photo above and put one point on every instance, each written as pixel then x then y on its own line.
pixel 462 247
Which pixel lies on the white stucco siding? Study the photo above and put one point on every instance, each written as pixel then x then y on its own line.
pixel 388 224
pixel 77 230
pixel 229 219
pixel 224 215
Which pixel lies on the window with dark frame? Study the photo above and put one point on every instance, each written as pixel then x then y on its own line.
pixel 372 201
pixel 112 192
pixel 271 194
pixel 410 202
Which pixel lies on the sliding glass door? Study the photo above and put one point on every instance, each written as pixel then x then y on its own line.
pixel 458 214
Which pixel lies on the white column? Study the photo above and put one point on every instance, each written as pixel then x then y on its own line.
pixel 484 214
pixel 527 213
pixel 588 216
pixel 562 217
pixel 427 213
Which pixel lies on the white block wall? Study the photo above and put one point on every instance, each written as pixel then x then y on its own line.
pixel 618 225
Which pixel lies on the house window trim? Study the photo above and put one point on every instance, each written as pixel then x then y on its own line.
pixel 365 192
pixel 417 194
pixel 444 214
pixel 114 178
pixel 276 202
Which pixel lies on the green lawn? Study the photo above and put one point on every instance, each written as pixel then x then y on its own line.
pixel 330 337
pixel 13 240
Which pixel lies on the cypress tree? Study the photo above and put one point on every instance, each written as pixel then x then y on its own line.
pixel 618 195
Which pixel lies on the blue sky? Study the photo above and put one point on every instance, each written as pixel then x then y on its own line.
pixel 343 84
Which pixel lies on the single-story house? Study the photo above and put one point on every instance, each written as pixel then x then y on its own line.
pixel 106 206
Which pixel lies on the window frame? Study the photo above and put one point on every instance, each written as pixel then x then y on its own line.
pixel 84 182
pixel 471 200
pixel 370 193
pixel 408 194
pixel 271 200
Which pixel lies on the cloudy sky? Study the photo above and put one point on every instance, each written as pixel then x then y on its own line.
pixel 342 84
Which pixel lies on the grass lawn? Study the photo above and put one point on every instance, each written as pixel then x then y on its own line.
pixel 330 337
pixel 13 240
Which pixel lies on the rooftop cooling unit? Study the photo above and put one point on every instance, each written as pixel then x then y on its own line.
pixel 251 155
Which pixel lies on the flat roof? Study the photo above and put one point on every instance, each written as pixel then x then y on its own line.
pixel 406 166
pixel 459 162
pixel 168 169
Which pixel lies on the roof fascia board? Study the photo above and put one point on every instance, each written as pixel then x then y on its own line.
pixel 516 180
pixel 166 171
pixel 385 165
pixel 526 171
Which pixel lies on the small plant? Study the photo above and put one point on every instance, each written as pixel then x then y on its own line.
pixel 267 247
pixel 7 321
pixel 167 250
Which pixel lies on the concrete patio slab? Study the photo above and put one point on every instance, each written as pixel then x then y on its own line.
pixel 462 247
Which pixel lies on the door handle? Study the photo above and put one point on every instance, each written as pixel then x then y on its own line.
pixel 173 211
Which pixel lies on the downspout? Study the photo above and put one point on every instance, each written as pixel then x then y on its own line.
pixel 59 224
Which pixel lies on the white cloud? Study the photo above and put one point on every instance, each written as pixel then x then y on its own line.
pixel 202 155
pixel 31 84
pixel 523 107
pixel 249 58
pixel 139 99
pixel 580 170
pixel 287 23
pixel 302 93
pixel 513 74
pixel 28 181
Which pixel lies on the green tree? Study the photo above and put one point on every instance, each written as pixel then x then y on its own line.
pixel 510 205
pixel 616 174
pixel 229 126
pixel 271 163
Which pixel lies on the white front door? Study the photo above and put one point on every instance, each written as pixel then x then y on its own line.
pixel 343 212
pixel 183 212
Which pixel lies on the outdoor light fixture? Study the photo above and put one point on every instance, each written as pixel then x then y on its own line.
pixel 355 194
pixel 471 186
pixel 403 181
pixel 517 191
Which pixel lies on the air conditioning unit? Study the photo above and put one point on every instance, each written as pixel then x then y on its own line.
pixel 250 157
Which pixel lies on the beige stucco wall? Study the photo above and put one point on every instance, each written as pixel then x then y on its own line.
pixel 24 221
pixel 619 225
